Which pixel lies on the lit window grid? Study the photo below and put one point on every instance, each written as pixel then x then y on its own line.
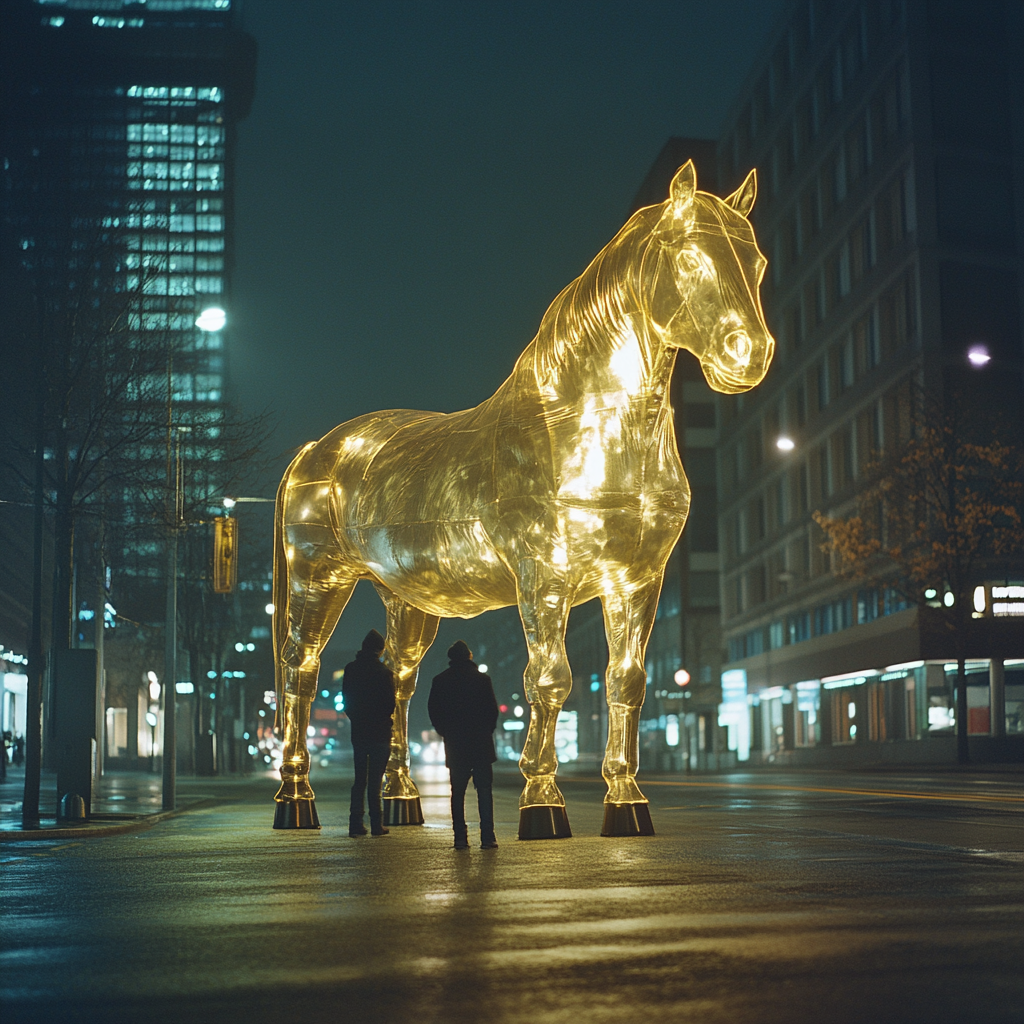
pixel 178 254
pixel 152 6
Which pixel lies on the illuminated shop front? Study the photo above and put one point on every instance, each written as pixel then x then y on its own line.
pixel 914 701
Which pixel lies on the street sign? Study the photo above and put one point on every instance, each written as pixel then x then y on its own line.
pixel 225 554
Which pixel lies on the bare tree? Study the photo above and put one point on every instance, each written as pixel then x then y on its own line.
pixel 95 456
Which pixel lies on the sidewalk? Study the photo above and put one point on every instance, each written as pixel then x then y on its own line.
pixel 124 802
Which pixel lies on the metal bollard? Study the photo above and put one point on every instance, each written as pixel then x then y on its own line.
pixel 72 808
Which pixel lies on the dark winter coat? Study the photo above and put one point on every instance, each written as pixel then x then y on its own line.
pixel 464 712
pixel 368 689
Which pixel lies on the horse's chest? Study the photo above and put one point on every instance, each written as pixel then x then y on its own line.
pixel 605 458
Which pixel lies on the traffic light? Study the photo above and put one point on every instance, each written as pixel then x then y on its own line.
pixel 225 554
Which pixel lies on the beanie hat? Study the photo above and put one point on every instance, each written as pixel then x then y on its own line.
pixel 459 651
pixel 373 641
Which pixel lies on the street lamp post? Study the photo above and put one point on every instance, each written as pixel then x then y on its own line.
pixel 170 736
pixel 210 320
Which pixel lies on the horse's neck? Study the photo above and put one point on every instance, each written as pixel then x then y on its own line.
pixel 592 351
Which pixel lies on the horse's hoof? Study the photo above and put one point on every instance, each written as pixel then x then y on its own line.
pixel 403 811
pixel 548 821
pixel 294 790
pixel 541 791
pixel 296 814
pixel 627 820
pixel 398 786
pixel 622 789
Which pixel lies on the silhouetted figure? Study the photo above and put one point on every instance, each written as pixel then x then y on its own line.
pixel 463 710
pixel 368 689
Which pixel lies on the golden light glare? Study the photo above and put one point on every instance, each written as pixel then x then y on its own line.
pixel 563 486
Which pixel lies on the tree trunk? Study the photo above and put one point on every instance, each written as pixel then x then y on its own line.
pixel 63 572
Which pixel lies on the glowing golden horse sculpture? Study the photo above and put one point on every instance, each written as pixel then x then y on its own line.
pixel 563 486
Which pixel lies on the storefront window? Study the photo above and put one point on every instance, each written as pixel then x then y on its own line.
pixel 806 725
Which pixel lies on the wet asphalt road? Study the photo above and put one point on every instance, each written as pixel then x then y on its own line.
pixel 793 897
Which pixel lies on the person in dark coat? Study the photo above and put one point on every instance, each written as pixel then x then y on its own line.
pixel 464 712
pixel 368 689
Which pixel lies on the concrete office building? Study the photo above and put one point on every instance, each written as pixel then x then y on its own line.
pixel 889 140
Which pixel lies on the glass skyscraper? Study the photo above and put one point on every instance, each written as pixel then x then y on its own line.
pixel 117 166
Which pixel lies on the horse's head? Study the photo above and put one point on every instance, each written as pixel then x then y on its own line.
pixel 705 296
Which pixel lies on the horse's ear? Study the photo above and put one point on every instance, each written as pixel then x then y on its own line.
pixel 683 187
pixel 742 200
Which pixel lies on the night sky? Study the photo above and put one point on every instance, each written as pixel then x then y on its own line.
pixel 417 181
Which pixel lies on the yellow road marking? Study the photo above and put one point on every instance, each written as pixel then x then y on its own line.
pixel 979 798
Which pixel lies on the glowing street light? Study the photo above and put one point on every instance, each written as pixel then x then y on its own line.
pixel 978 356
pixel 212 319
pixel 785 444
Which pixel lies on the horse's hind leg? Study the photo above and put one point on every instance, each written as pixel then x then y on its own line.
pixel 628 620
pixel 410 634
pixel 316 599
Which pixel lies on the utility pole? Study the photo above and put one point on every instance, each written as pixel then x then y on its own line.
pixel 170 694
pixel 36 667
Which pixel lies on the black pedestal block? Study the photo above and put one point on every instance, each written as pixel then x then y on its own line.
pixel 296 814
pixel 545 822
pixel 627 820
pixel 403 811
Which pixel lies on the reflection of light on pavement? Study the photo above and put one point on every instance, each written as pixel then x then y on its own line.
pixel 433 782
pixel 432 772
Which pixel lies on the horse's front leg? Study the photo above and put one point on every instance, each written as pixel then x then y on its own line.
pixel 628 620
pixel 544 603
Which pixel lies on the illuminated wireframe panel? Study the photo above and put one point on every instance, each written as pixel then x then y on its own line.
pixel 563 486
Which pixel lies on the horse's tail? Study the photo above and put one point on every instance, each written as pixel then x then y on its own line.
pixel 281 589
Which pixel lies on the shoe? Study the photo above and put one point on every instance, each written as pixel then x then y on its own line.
pixel 490 843
pixel 461 842
pixel 380 830
pixel 356 830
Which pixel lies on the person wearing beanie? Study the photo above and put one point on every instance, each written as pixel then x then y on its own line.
pixel 464 712
pixel 368 689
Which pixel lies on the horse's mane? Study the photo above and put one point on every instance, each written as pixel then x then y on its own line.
pixel 605 294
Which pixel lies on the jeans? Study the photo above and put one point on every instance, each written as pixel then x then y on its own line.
pixel 483 779
pixel 371 762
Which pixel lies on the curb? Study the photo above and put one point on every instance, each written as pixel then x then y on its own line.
pixel 139 823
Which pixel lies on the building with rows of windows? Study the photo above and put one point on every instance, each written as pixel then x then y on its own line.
pixel 889 140
pixel 118 143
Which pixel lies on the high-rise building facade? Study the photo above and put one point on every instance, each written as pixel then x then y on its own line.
pixel 889 140
pixel 118 144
